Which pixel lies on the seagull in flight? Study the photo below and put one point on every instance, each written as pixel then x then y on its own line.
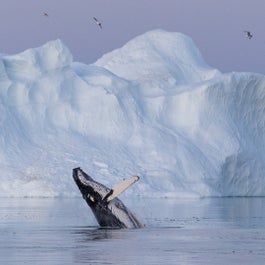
pixel 98 22
pixel 248 34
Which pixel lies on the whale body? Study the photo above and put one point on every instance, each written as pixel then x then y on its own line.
pixel 108 212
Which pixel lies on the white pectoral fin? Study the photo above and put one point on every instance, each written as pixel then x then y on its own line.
pixel 120 188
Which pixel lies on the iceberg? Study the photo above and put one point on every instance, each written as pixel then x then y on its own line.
pixel 151 108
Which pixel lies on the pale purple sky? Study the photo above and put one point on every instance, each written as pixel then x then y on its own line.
pixel 216 27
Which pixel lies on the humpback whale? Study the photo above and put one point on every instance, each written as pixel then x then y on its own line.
pixel 108 209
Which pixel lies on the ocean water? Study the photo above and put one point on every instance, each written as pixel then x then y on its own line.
pixel 191 231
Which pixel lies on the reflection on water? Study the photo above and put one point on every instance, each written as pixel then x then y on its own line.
pixel 243 212
pixel 190 231
pixel 96 234
pixel 207 212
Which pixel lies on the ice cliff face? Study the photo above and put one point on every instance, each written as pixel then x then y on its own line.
pixel 152 108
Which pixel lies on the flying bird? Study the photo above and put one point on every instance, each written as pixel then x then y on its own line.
pixel 98 22
pixel 45 14
pixel 248 34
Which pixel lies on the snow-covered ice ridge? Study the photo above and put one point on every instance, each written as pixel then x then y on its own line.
pixel 152 108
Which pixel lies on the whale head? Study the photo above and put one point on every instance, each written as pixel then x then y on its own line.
pixel 92 191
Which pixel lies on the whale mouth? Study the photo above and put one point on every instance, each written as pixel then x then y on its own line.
pixel 80 176
pixel 84 183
